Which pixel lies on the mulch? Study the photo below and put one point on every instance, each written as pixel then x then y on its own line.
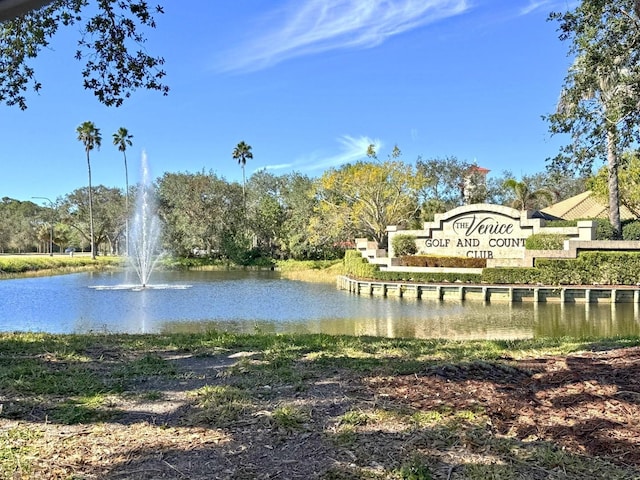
pixel 588 403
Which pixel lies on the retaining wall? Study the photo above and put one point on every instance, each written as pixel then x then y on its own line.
pixel 491 293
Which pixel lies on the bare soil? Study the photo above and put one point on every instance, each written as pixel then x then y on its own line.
pixel 538 418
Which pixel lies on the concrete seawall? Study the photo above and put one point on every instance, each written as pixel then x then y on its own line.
pixel 492 293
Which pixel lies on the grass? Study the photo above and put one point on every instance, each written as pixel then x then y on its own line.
pixel 311 270
pixel 290 417
pixel 16 451
pixel 12 265
pixel 219 405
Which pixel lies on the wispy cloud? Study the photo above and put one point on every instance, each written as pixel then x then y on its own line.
pixel 279 166
pixel 350 149
pixel 548 6
pixel 307 27
pixel 534 5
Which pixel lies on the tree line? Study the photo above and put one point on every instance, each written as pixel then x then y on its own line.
pixel 278 216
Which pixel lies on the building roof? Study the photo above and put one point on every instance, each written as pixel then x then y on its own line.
pixel 583 206
pixel 476 168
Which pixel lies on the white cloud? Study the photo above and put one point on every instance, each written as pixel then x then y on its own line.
pixel 533 6
pixel 548 6
pixel 307 27
pixel 351 149
pixel 279 166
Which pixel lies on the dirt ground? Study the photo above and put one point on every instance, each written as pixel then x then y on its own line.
pixel 549 417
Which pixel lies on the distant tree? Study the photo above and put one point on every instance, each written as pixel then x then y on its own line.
pixel 107 212
pixel 18 224
pixel 111 44
pixel 266 211
pixel 629 182
pixel 90 137
pixel 242 153
pixel 599 102
pixel 201 213
pixel 561 185
pixel 526 198
pixel 365 197
pixel 443 183
pixel 122 139
pixel 300 204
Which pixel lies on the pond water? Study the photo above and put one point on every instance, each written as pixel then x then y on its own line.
pixel 262 301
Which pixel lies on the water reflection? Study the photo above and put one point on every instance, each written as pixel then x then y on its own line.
pixel 599 320
pixel 249 302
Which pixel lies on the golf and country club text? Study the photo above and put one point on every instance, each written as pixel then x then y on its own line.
pixel 480 235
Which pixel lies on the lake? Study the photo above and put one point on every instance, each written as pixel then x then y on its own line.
pixel 250 302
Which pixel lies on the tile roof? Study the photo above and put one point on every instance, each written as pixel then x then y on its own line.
pixel 582 206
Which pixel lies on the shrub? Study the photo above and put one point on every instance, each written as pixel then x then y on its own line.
pixel 561 223
pixel 357 266
pixel 404 244
pixel 545 241
pixel 604 229
pixel 631 230
pixel 561 272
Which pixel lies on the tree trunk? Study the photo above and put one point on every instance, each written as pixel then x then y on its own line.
pixel 126 197
pixel 614 193
pixel 244 197
pixel 93 247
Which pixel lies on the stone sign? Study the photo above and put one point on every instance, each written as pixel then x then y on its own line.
pixel 475 231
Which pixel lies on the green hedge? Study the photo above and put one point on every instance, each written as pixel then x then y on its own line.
pixel 545 241
pixel 356 266
pixel 604 229
pixel 510 275
pixel 450 262
pixel 590 268
pixel 429 277
pixel 561 223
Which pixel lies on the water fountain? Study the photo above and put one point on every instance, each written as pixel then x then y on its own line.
pixel 144 238
pixel 145 231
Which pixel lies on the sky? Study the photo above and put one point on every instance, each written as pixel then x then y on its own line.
pixel 309 84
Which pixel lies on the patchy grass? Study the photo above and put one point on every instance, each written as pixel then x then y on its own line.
pixel 316 406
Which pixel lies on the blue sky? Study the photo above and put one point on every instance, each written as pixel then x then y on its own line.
pixel 308 84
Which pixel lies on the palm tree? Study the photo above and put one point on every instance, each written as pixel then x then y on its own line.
pixel 525 197
pixel 610 91
pixel 90 137
pixel 242 152
pixel 122 139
